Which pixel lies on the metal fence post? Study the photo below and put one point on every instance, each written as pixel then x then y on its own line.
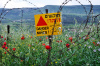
pixel 8 31
pixel 50 44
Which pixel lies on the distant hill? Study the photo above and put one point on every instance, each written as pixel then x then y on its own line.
pixel 69 13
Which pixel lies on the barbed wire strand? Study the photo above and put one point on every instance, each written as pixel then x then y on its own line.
pixel 34 5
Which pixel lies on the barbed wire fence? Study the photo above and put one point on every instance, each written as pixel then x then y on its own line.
pixel 89 33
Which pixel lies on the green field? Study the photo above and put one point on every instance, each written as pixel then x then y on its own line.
pixel 83 49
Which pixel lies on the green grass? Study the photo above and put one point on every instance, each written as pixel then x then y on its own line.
pixel 79 53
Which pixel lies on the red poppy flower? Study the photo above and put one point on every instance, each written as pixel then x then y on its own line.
pixel 14 49
pixel 70 38
pixel 1 36
pixel 31 37
pixel 46 37
pixel 47 47
pixel 80 37
pixel 94 43
pixel 5 38
pixel 67 45
pixel 5 43
pixel 43 44
pixel 3 46
pixel 60 40
pixel 5 52
pixel 6 47
pixel 87 38
pixel 29 45
pixel 40 39
pixel 87 35
pixel 22 38
pixel 97 45
pixel 57 41
pixel 21 60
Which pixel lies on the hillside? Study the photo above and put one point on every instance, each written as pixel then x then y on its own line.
pixel 69 13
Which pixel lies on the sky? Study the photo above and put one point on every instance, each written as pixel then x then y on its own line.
pixel 41 3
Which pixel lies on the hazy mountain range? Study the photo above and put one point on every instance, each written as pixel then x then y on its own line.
pixel 69 13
